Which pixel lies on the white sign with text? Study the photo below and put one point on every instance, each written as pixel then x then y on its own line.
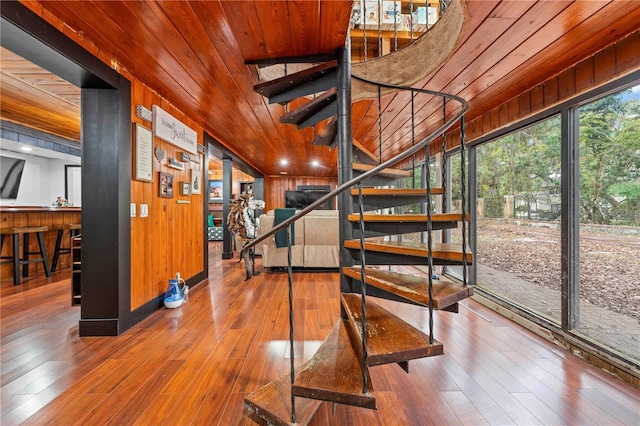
pixel 172 130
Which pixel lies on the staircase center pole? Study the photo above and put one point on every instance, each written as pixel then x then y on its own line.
pixel 345 154
pixel 291 334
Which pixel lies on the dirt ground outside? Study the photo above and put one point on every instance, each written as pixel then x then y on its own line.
pixel 609 266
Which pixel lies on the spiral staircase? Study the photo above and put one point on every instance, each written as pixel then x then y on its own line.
pixel 366 335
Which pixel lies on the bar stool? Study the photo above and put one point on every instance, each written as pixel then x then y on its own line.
pixel 24 260
pixel 74 230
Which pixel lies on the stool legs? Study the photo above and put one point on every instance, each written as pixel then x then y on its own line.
pixel 16 259
pixel 25 256
pixel 43 253
pixel 56 251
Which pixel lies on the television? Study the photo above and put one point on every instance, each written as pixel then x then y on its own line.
pixel 301 199
pixel 10 176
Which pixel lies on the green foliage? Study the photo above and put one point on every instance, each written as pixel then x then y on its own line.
pixel 525 164
pixel 610 161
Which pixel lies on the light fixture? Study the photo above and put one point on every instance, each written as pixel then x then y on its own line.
pixel 284 162
pixel 315 163
pixel 26 148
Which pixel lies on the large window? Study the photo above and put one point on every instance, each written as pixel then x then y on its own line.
pixel 558 221
pixel 609 206
pixel 518 225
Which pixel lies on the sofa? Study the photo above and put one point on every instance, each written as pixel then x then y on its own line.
pixel 316 245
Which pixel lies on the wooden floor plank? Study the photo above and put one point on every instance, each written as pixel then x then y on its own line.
pixel 492 371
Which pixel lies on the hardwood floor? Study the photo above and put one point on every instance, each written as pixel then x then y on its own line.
pixel 194 364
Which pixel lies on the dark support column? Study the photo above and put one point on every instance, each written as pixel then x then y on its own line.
pixel 106 240
pixel 345 172
pixel 227 183
pixel 258 191
pixel 204 183
pixel 570 220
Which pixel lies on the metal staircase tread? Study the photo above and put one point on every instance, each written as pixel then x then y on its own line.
pixel 276 90
pixel 400 218
pixel 390 172
pixel 272 403
pixel 316 110
pixel 326 136
pixel 441 251
pixel 356 144
pixel 396 192
pixel 389 338
pixel 413 288
pixel 334 373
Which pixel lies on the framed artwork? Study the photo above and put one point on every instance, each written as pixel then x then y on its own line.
pixel 196 178
pixel 185 188
pixel 165 186
pixel 215 191
pixel 143 156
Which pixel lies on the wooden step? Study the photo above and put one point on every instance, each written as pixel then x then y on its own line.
pixel 316 110
pixel 389 173
pixel 413 288
pixel 272 404
pixel 327 135
pixel 389 339
pixel 376 225
pixel 407 252
pixel 334 373
pixel 408 218
pixel 382 198
pixel 396 192
pixel 303 83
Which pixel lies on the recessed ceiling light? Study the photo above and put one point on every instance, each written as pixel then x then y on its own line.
pixel 283 173
pixel 315 163
pixel 26 148
pixel 284 162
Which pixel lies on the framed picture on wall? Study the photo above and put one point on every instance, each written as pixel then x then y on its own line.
pixel 185 188
pixel 143 157
pixel 215 191
pixel 196 179
pixel 165 186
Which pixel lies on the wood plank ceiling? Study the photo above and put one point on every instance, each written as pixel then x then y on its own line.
pixel 193 53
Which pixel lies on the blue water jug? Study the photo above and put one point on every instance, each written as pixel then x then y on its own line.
pixel 174 297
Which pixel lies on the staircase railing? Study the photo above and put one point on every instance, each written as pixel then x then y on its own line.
pixel 439 131
pixel 446 124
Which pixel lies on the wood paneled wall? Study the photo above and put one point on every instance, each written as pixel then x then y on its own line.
pixel 275 187
pixel 171 238
pixel 615 61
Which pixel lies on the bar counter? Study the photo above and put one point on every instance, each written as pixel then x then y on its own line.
pixel 37 209
pixel 14 216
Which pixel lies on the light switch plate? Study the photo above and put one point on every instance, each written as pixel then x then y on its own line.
pixel 144 210
pixel 133 209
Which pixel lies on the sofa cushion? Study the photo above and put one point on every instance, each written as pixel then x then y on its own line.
pixel 322 229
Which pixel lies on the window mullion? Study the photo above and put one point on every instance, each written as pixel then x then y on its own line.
pixel 570 219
